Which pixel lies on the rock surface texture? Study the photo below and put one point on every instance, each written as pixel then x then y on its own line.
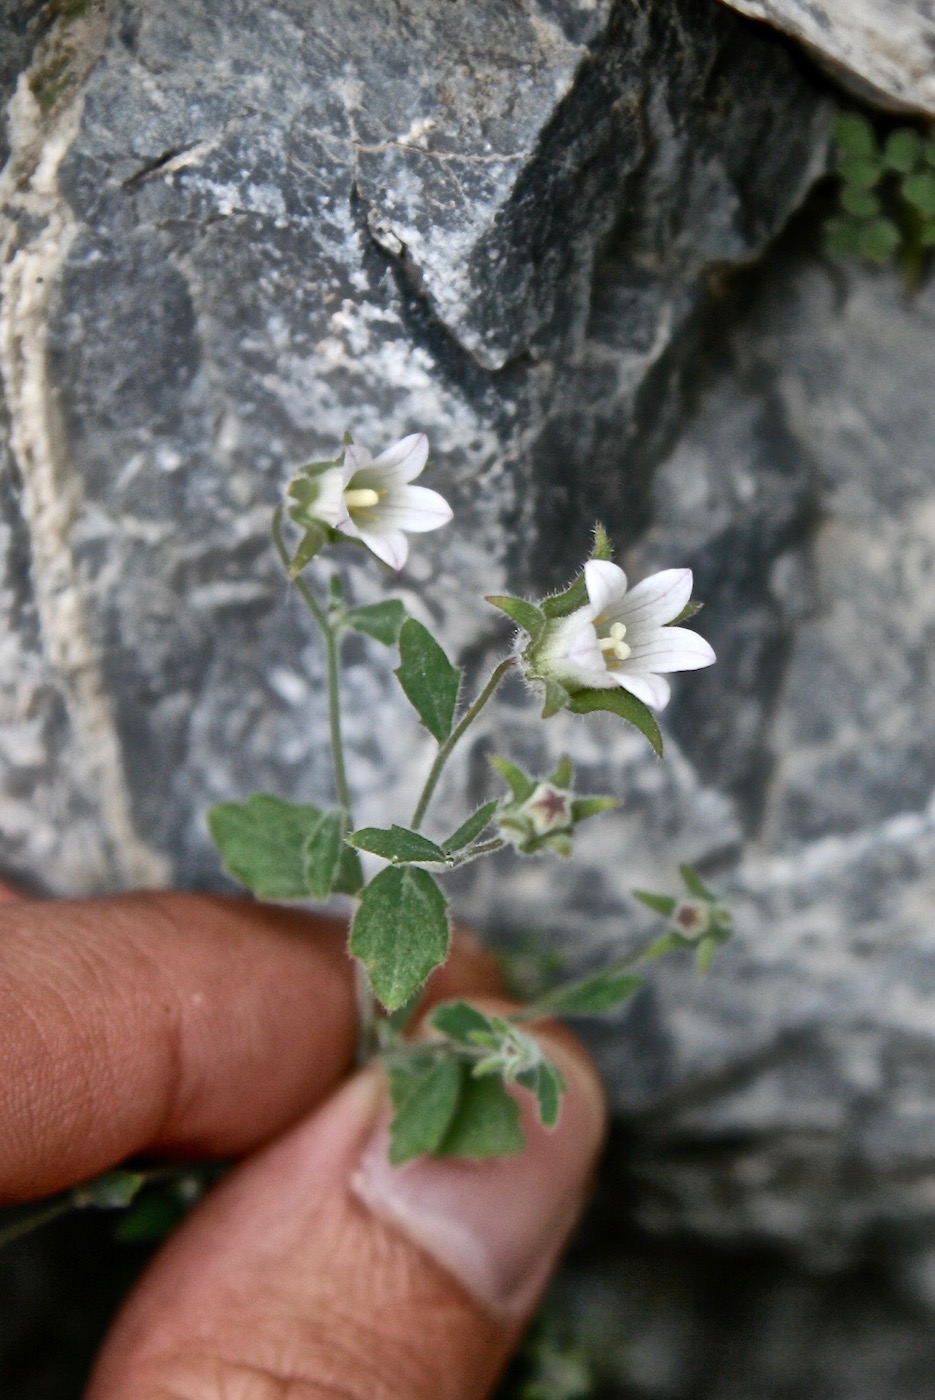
pixel 882 49
pixel 231 233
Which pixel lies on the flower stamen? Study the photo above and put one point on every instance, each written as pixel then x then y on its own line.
pixel 613 644
pixel 361 497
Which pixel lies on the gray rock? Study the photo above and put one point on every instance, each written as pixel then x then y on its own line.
pixel 227 243
pixel 884 50
pixel 800 1075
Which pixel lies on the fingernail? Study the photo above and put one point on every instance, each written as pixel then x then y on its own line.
pixel 496 1226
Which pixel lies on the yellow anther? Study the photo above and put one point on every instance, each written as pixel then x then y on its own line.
pixel 613 644
pixel 361 498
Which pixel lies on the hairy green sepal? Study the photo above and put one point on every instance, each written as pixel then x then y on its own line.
pixel 618 702
pixel 469 830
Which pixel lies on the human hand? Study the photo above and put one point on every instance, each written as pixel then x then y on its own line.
pixel 193 1026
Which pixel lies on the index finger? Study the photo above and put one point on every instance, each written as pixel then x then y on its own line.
pixel 182 1024
pixel 169 1023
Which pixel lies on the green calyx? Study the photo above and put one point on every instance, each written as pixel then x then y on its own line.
pixel 543 813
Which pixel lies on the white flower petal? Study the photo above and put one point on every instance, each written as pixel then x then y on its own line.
pixel 606 584
pixel 654 691
pixel 390 545
pixel 657 599
pixel 356 459
pixel 413 508
pixel 669 649
pixel 403 461
pixel 346 526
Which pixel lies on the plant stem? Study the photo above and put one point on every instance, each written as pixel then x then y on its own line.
pixel 467 719
pixel 366 1015
pixel 78 1198
pixel 334 715
pixel 483 848
pixel 329 636
pixel 25 1226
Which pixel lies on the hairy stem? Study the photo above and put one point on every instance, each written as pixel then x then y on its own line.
pixel 444 753
pixel 332 662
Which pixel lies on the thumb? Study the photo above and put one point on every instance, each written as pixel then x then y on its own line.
pixel 316 1270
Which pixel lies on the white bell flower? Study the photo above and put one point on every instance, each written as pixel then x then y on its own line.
pixel 370 499
pixel 621 637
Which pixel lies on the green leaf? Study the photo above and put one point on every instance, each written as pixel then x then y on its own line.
pixel 928 151
pixel 903 150
pixel 263 843
pixel 575 596
pixel 583 807
pixel 862 174
pixel 350 876
pixel 863 204
pixel 880 238
pixel 659 903
pixel 548 1085
pixel 486 1123
pixel 843 238
pixel 428 678
pixel 314 539
pixel 927 236
pixel 590 996
pixel 398 844
pixel 323 853
pixel 400 931
pixel 556 698
pixel 382 621
pixel 530 617
pixel 601 548
pixel 151 1219
pixel 469 831
pixel 398 1020
pixel 460 1022
pixel 425 1090
pixel 520 783
pixel 920 192
pixel 622 703
pixel 854 135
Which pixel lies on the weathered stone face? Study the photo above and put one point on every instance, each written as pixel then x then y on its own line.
pixel 229 243
pixel 882 49
pixel 228 239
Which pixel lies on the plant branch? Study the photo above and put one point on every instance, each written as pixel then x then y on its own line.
pixel 332 661
pixel 444 753
pixel 26 1224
